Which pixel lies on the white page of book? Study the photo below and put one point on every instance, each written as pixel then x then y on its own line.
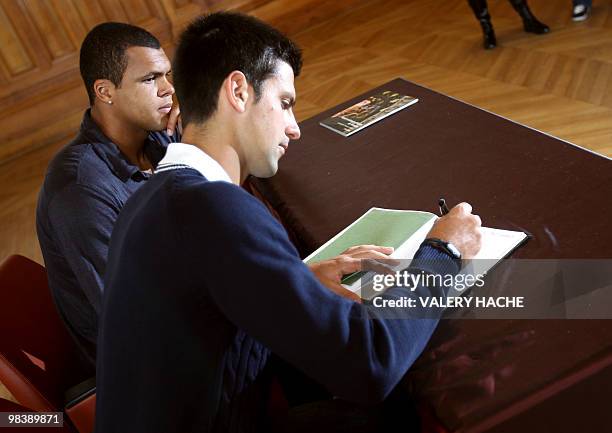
pixel 496 243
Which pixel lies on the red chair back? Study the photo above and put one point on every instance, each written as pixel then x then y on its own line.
pixel 39 360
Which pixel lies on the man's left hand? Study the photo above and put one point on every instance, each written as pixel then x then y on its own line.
pixel 330 272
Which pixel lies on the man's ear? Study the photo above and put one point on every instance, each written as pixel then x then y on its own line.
pixel 104 90
pixel 236 91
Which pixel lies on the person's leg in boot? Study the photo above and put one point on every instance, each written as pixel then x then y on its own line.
pixel 530 23
pixel 482 15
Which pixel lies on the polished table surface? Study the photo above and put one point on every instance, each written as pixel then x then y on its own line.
pixel 477 375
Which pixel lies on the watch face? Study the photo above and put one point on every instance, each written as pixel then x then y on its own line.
pixel 454 251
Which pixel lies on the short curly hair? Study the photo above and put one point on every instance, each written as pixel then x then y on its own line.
pixel 213 46
pixel 103 56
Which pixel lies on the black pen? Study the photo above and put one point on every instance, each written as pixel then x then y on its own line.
pixel 443 208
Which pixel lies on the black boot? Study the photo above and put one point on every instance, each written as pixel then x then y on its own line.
pixel 488 33
pixel 482 15
pixel 530 23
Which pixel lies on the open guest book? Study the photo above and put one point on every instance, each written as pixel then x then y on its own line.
pixel 404 230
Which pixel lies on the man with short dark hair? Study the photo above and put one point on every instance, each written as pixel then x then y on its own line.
pixel 126 75
pixel 203 284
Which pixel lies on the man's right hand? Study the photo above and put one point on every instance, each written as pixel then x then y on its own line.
pixel 174 119
pixel 461 228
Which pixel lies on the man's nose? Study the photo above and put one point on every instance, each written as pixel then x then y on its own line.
pixel 293 130
pixel 166 88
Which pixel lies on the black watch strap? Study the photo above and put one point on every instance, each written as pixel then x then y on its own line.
pixel 445 247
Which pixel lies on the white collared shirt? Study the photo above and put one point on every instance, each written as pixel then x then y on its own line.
pixel 181 155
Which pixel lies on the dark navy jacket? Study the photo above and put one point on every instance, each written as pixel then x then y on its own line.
pixel 202 284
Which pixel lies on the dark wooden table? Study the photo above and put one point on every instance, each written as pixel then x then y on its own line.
pixel 493 375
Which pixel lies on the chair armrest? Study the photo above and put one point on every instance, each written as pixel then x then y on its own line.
pixel 80 392
pixel 81 405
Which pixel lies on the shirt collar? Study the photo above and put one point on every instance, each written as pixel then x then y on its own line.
pixel 182 155
pixel 108 151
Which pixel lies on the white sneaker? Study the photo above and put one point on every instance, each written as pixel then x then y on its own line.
pixel 580 13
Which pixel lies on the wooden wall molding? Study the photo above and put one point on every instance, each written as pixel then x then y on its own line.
pixel 41 93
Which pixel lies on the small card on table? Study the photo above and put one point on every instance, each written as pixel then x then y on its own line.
pixel 365 113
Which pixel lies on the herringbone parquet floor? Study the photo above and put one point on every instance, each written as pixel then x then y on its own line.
pixel 560 83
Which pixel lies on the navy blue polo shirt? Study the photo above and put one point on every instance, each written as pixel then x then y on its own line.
pixel 86 185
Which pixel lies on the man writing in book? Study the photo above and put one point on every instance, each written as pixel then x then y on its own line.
pixel 124 134
pixel 203 284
